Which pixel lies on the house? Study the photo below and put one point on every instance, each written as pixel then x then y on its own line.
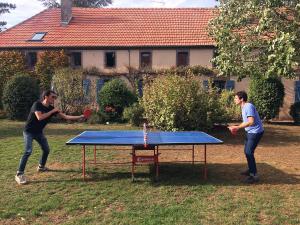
pixel 115 39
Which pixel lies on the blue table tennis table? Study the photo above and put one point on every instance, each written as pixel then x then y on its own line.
pixel 137 141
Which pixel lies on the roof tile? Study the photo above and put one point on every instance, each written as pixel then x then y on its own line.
pixel 114 27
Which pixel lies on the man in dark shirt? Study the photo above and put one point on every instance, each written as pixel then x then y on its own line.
pixel 40 114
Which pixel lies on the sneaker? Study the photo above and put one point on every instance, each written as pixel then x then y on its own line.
pixel 21 179
pixel 245 173
pixel 42 169
pixel 251 179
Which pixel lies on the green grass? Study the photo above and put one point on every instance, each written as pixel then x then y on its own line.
pixel 108 196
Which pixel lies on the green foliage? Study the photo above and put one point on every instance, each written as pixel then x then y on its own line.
pixel 5 8
pixel 11 63
pixel 232 112
pixel 114 97
pixel 134 114
pixel 295 112
pixel 221 106
pixel 175 103
pixel 68 85
pixel 46 65
pixel 257 38
pixel 267 96
pixel 18 96
pixel 78 3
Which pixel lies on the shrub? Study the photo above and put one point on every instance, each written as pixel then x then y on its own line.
pixel 174 103
pixel 295 112
pixel 267 95
pixel 11 63
pixel 67 83
pixel 134 114
pixel 114 97
pixel 18 96
pixel 46 65
pixel 232 112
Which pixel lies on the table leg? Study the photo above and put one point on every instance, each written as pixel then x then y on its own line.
pixel 132 163
pixel 83 161
pixel 193 156
pixel 95 149
pixel 205 165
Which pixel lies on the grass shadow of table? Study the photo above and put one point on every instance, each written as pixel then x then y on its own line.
pixel 188 174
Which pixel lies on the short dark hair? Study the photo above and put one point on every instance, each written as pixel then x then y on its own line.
pixel 47 93
pixel 242 95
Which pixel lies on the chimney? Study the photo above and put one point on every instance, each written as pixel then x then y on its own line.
pixel 66 12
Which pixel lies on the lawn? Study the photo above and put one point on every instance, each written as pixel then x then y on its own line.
pixel 181 196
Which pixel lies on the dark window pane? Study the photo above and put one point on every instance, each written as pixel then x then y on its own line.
pixel 146 59
pixel 32 59
pixel 76 59
pixel 110 59
pixel 182 58
pixel 219 84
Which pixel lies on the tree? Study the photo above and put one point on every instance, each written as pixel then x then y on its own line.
pixel 5 8
pixel 257 38
pixel 78 3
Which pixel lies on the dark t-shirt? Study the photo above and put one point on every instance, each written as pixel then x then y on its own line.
pixel 33 125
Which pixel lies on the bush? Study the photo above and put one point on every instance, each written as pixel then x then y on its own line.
pixel 232 112
pixel 295 112
pixel 67 83
pixel 46 65
pixel 114 97
pixel 11 64
pixel 267 95
pixel 174 103
pixel 134 114
pixel 19 94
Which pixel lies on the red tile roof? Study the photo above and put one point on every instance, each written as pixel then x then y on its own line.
pixel 114 27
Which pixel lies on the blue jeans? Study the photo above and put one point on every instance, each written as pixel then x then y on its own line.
pixel 28 139
pixel 251 142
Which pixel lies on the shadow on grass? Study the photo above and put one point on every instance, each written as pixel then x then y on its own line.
pixel 185 174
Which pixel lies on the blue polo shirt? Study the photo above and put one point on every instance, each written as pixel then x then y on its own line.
pixel 249 110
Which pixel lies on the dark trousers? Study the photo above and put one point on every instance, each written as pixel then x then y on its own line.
pixel 28 139
pixel 251 142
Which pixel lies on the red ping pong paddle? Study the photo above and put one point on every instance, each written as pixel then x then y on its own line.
pixel 87 113
pixel 233 131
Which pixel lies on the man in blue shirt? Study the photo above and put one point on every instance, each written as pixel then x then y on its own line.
pixel 254 132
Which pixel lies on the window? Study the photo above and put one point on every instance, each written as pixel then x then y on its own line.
pixel 38 36
pixel 182 58
pixel 110 59
pixel 76 59
pixel 219 85
pixel 31 59
pixel 146 59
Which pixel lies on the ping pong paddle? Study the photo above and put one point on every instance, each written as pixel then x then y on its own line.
pixel 233 131
pixel 87 113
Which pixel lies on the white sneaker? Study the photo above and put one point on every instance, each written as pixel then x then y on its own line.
pixel 21 179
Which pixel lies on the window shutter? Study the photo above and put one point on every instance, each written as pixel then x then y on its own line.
pixel 140 88
pixel 86 83
pixel 99 85
pixel 297 91
pixel 229 85
pixel 205 85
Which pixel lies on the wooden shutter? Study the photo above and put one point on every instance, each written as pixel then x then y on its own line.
pixel 86 83
pixel 297 91
pixel 229 85
pixel 99 85
pixel 205 85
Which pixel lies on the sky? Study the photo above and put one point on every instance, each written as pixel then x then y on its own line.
pixel 28 8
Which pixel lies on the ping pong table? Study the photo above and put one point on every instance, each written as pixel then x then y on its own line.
pixel 136 140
